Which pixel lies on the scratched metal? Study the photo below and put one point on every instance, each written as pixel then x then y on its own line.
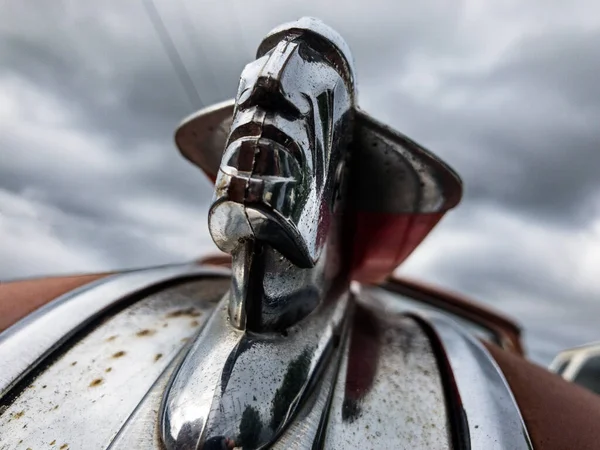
pixel 389 392
pixel 84 397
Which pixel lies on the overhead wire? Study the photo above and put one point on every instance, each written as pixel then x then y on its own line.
pixel 194 36
pixel 174 57
pixel 241 28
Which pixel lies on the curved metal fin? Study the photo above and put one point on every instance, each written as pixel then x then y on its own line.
pixel 399 192
pixel 201 137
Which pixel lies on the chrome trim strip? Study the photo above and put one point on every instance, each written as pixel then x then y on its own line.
pixel 493 417
pixel 388 392
pixel 140 430
pixel 27 343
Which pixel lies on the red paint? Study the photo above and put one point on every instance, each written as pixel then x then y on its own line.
pixel 382 241
pixel 363 355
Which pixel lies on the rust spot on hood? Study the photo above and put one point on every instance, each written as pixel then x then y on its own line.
pixel 145 332
pixel 96 382
pixel 186 312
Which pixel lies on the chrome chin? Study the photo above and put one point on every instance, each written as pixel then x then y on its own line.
pixel 290 130
pixel 291 349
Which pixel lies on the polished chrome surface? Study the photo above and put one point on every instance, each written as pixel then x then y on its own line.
pixel 87 391
pixel 246 387
pixel 492 415
pixel 273 350
pixel 369 379
pixel 291 125
pixel 315 29
pixel 398 189
pixel 295 108
pixel 30 340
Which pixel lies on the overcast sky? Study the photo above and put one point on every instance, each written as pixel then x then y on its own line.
pixel 507 92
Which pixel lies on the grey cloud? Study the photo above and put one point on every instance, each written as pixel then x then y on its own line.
pixel 536 148
pixel 529 272
pixel 523 137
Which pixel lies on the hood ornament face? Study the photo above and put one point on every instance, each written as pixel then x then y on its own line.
pixel 309 190
pixel 286 147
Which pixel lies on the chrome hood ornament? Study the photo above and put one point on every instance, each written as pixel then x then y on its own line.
pixel 280 209
pixel 286 155
pixel 296 347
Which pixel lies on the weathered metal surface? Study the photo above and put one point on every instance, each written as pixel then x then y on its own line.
pixel 84 396
pixel 141 429
pixel 29 341
pixel 389 392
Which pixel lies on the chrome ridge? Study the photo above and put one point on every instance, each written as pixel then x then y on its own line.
pixel 481 403
pixel 491 412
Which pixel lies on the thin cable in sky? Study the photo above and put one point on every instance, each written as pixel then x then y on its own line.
pixel 195 39
pixel 165 38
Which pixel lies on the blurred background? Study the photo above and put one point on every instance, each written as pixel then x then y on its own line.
pixel 507 92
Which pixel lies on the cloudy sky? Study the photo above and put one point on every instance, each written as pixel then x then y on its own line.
pixel 506 91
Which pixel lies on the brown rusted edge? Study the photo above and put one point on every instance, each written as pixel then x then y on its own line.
pixel 216 259
pixel 507 331
pixel 22 297
pixel 559 415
